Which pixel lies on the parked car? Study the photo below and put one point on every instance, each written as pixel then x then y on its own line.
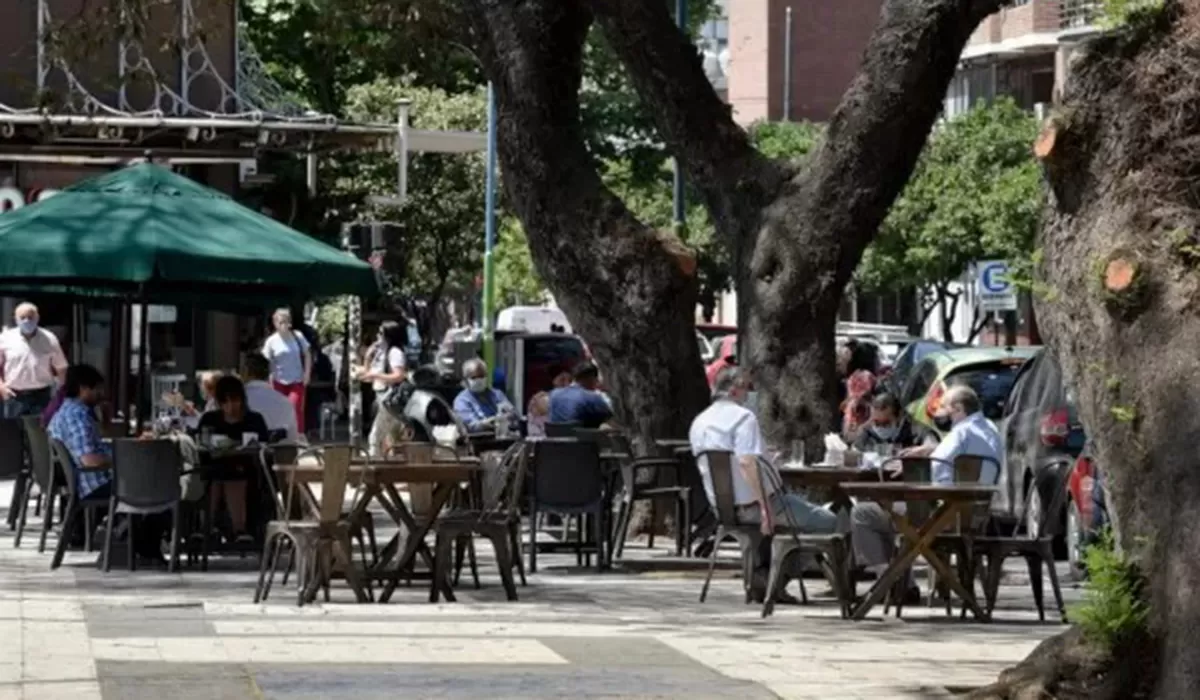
pixel 908 358
pixel 1086 513
pixel 712 331
pixel 531 361
pixel 1043 438
pixel 707 353
pixel 991 372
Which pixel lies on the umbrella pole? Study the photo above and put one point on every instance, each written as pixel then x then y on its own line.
pixel 143 368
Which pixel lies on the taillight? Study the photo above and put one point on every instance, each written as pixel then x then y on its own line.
pixel 1085 479
pixel 934 400
pixel 1055 428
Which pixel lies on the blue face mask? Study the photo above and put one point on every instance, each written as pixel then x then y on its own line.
pixel 27 325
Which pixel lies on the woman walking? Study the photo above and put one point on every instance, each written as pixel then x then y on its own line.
pixel 291 363
pixel 386 370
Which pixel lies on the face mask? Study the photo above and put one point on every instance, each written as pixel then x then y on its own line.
pixel 887 432
pixel 477 385
pixel 27 325
pixel 943 423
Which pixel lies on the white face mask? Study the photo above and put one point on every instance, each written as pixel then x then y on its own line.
pixel 27 325
pixel 477 385
pixel 887 433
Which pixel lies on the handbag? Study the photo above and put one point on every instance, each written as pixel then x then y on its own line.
pixel 396 396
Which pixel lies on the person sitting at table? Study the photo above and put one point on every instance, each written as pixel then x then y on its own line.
pixel 75 426
pixel 538 412
pixel 478 404
pixel 970 433
pixel 208 388
pixel 888 431
pixel 728 426
pixel 581 402
pixel 262 398
pixel 233 419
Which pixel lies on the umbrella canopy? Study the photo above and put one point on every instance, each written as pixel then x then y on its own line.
pixel 145 231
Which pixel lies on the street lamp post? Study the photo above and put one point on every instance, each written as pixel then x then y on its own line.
pixel 489 270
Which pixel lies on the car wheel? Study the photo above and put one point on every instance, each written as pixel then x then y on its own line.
pixel 1033 510
pixel 1075 542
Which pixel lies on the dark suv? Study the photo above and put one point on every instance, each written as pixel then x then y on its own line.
pixel 1043 440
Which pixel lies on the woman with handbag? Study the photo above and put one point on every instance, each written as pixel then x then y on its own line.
pixel 291 363
pixel 388 375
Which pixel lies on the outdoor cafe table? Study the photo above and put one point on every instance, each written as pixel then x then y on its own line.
pixel 827 479
pixel 379 479
pixel 952 500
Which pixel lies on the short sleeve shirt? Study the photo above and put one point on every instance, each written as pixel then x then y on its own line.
pixel 74 425
pixel 575 404
pixel 386 363
pixel 727 427
pixel 975 436
pixel 286 356
pixel 29 363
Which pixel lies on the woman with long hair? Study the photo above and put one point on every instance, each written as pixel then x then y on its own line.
pixel 291 363
pixel 387 369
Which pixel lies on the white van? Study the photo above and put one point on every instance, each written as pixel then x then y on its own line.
pixel 532 319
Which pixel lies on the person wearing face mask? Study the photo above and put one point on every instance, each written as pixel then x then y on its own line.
pixel 30 361
pixel 887 432
pixel 970 434
pixel 478 403
pixel 728 426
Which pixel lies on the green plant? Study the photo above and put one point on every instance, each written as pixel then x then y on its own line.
pixel 1118 13
pixel 1124 414
pixel 1113 609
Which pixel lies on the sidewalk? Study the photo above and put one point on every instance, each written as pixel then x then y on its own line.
pixel 78 633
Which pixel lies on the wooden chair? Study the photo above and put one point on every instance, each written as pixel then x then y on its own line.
pixel 747 536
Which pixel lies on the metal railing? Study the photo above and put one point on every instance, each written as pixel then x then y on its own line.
pixel 1078 14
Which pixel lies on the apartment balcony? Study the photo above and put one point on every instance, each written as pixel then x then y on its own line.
pixel 1079 16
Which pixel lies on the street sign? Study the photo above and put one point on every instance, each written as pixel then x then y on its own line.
pixel 994 291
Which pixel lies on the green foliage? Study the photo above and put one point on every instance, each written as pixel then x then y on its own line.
pixel 517 282
pixel 787 140
pixel 1123 414
pixel 1113 610
pixel 331 318
pixel 1119 13
pixel 975 195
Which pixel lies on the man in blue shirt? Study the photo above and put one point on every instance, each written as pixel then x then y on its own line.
pixel 581 402
pixel 74 425
pixel 479 404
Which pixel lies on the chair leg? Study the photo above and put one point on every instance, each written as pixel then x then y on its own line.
pixel 712 563
pixel 64 538
pixel 685 524
pixel 598 534
pixel 995 571
pixel 473 560
pixel 441 568
pixel 622 529
pixel 460 550
pixel 270 550
pixel 108 533
pixel 129 542
pixel 518 556
pixel 48 517
pixel 1034 563
pixel 173 560
pixel 1047 552
pixel 37 511
pixel 89 527
pixel 206 547
pixel 281 542
pixel 653 523
pixel 775 583
pixel 24 512
pixel 504 561
pixel 14 506
pixel 533 519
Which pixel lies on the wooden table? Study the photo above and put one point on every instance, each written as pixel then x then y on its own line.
pixel 952 500
pixel 379 480
pixel 828 478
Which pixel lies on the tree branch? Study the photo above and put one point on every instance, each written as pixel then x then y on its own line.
pixel 698 127
pixel 977 325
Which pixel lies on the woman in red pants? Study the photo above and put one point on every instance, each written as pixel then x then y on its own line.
pixel 291 363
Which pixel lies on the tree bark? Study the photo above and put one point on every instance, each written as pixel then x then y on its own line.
pixel 629 290
pixel 1119 245
pixel 802 230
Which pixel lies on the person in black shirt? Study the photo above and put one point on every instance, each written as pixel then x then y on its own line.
pixel 233 419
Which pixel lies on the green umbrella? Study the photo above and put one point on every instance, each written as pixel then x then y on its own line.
pixel 144 232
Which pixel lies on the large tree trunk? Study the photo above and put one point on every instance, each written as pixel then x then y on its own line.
pixel 1120 257
pixel 629 290
pixel 799 232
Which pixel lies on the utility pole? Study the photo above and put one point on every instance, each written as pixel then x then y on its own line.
pixel 489 263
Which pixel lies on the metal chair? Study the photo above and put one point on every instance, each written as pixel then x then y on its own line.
pixel 12 464
pixel 499 520
pixel 145 481
pixel 561 430
pixel 567 480
pixel 38 445
pixel 63 471
pixel 748 537
pixel 645 479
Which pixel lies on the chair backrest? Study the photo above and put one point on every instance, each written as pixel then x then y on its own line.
pixel 566 474
pixel 146 472
pixel 60 458
pixel 504 479
pixel 968 469
pixel 37 442
pixel 12 447
pixel 561 430
pixel 333 484
pixel 917 470
pixel 720 471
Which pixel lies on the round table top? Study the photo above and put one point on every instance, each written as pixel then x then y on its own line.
pixel 910 491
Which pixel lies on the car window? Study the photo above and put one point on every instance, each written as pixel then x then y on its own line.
pixel 1021 387
pixel 922 378
pixel 992 382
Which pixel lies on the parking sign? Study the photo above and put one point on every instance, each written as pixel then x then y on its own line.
pixel 994 291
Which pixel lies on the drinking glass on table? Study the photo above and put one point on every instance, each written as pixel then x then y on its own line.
pixel 798 458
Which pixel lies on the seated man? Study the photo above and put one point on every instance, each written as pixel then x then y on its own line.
pixel 478 404
pixel 728 426
pixel 581 402
pixel 971 433
pixel 262 398
pixel 75 426
pixel 888 431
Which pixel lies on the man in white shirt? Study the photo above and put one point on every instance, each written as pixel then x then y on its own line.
pixel 30 360
pixel 262 398
pixel 970 433
pixel 728 426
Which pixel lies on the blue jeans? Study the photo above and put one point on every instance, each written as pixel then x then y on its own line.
pixel 808 517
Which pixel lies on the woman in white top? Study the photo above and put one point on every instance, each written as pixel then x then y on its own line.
pixel 291 363
pixel 386 369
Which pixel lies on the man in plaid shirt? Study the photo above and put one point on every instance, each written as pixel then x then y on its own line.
pixel 74 425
